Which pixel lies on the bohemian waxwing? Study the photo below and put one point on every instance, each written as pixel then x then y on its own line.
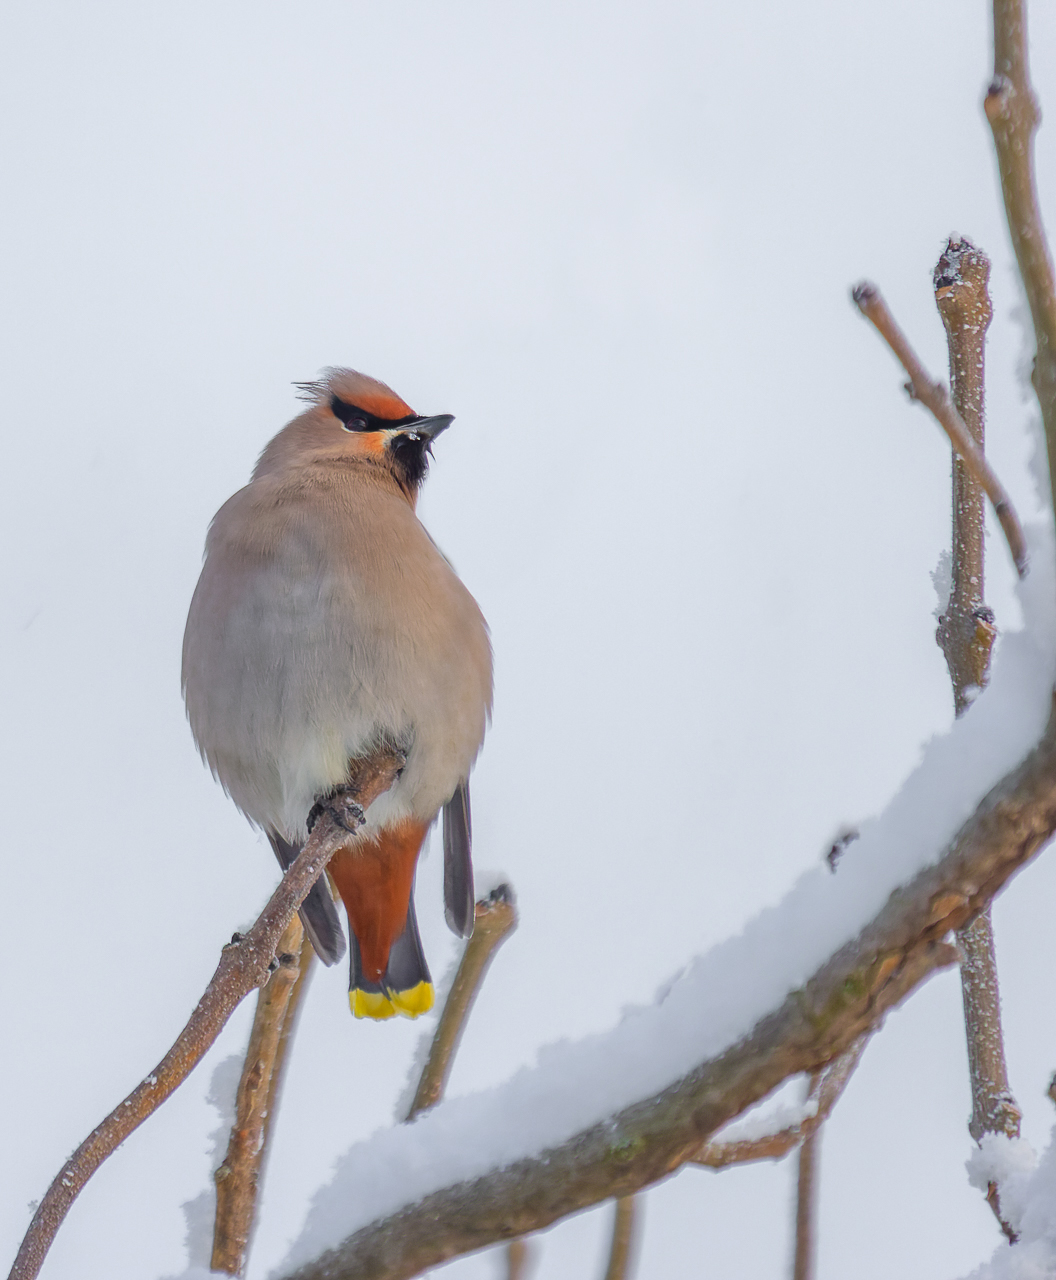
pixel 326 621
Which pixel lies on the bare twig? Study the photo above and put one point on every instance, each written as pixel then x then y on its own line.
pixel 306 966
pixel 807 1198
pixel 244 964
pixel 966 636
pixel 518 1257
pixel 994 1108
pixel 237 1179
pixel 966 629
pixel 1013 113
pixel 772 1146
pixel 494 919
pixel 847 997
pixel 935 397
pixel 624 1239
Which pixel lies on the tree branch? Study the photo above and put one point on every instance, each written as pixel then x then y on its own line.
pixel 935 397
pixel 966 635
pixel 624 1232
pixel 238 1178
pixel 847 997
pixel 807 1199
pixel 494 919
pixel 244 964
pixel 966 629
pixel 1013 113
pixel 772 1146
pixel 306 966
pixel 518 1258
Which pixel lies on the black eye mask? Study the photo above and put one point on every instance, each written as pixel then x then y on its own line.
pixel 355 419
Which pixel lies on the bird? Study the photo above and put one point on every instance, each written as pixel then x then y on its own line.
pixel 326 622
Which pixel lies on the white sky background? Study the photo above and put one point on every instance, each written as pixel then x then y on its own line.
pixel 616 241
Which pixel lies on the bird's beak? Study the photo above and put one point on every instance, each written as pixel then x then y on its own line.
pixel 427 428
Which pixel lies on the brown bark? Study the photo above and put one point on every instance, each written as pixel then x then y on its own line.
pixel 1012 111
pixel 244 964
pixel 624 1239
pixel 772 1146
pixel 846 998
pixel 935 397
pixel 238 1178
pixel 966 629
pixel 807 1202
pixel 966 635
pixel 494 919
pixel 518 1259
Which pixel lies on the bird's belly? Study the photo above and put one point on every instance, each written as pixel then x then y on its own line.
pixel 313 674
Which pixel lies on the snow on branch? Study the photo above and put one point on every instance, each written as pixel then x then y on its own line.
pixel 737 1147
pixel 610 1114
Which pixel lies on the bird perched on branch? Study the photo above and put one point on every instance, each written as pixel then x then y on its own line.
pixel 324 624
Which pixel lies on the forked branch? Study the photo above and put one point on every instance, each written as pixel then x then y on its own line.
pixel 772 1146
pixel 246 963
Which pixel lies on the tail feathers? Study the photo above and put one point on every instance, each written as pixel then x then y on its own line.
pixel 406 986
pixel 318 913
pixel 458 863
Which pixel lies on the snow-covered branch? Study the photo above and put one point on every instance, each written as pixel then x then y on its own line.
pixel 741 1147
pixel 585 1125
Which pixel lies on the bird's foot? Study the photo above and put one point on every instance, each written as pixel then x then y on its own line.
pixel 339 804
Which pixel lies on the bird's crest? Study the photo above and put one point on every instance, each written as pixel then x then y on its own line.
pixel 354 388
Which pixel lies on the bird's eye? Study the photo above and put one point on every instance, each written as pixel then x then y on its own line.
pixel 354 424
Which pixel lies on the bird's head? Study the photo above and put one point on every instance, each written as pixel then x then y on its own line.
pixel 353 415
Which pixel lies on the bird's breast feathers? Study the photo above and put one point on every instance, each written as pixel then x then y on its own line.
pixel 325 617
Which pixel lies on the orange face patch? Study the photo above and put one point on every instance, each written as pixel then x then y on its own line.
pixel 368 442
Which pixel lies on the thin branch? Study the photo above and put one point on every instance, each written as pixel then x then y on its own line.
pixel 935 397
pixel 306 966
pixel 994 1108
pixel 966 635
pixel 238 1178
pixel 966 629
pixel 518 1259
pixel 624 1239
pixel 807 1199
pixel 244 964
pixel 494 919
pixel 846 997
pixel 772 1146
pixel 1013 113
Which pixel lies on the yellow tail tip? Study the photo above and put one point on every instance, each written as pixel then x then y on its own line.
pixel 372 1004
pixel 414 1002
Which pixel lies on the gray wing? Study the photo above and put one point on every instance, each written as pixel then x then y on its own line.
pixel 318 913
pixel 458 863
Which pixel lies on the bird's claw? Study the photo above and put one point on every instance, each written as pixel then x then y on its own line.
pixel 346 813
